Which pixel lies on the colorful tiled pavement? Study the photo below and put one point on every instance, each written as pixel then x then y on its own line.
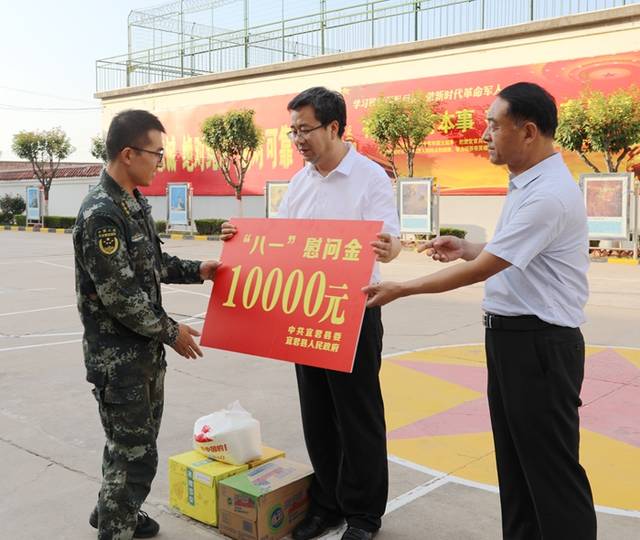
pixel 437 417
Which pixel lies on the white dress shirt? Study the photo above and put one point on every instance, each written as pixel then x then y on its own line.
pixel 543 233
pixel 357 189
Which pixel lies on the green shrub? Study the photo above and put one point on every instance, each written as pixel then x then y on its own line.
pixel 209 226
pixel 20 220
pixel 10 207
pixel 59 222
pixel 450 231
pixel 161 226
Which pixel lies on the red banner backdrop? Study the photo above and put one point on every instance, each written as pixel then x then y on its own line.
pixel 454 154
pixel 290 290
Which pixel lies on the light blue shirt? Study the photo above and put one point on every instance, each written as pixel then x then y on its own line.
pixel 543 233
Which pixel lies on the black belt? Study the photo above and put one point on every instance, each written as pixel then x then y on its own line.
pixel 518 323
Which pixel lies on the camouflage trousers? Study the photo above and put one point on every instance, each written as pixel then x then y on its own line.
pixel 131 420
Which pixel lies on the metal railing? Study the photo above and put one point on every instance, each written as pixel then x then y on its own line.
pixel 355 27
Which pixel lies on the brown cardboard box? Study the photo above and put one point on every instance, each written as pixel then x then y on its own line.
pixel 193 482
pixel 264 503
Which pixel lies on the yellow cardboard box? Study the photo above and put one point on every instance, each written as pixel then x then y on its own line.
pixel 264 503
pixel 193 482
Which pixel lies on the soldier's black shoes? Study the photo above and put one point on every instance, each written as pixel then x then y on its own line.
pixel 313 526
pixel 146 528
pixel 353 533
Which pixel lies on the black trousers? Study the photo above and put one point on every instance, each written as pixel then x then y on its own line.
pixel 534 385
pixel 345 433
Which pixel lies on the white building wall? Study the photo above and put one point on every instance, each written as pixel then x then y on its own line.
pixel 65 194
pixel 214 207
pixel 477 215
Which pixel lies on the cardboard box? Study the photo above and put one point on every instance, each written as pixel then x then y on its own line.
pixel 193 482
pixel 268 454
pixel 264 503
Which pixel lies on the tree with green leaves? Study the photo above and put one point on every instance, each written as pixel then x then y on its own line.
pixel 595 122
pixel 10 207
pixel 234 138
pixel 44 150
pixel 99 148
pixel 401 124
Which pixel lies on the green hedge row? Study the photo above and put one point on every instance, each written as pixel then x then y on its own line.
pixel 450 231
pixel 59 222
pixel 51 222
pixel 209 226
pixel 203 226
pixel 444 231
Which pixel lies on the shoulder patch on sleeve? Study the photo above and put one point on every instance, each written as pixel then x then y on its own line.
pixel 108 242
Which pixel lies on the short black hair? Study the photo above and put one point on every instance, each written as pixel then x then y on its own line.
pixel 529 102
pixel 327 106
pixel 130 128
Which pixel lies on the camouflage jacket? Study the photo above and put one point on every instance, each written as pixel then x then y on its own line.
pixel 119 267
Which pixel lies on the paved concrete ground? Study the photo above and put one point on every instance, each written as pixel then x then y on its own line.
pixel 51 441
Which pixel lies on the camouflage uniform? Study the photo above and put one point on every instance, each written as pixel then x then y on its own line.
pixel 119 268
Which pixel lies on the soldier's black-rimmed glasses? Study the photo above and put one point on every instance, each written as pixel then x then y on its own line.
pixel 159 154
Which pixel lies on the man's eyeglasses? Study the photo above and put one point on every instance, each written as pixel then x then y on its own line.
pixel 159 154
pixel 302 133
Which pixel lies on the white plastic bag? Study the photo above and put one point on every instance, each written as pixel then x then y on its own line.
pixel 231 435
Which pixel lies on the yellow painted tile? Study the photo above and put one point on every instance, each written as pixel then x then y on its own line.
pixel 613 470
pixel 633 355
pixel 616 260
pixel 468 456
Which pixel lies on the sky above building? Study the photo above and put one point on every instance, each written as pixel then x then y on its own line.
pixel 47 78
pixel 49 51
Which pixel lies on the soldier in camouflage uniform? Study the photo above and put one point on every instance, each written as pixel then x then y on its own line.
pixel 119 268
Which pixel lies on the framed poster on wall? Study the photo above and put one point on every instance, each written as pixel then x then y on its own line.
pixel 33 205
pixel 179 211
pixel 415 205
pixel 274 192
pixel 606 197
pixel 178 199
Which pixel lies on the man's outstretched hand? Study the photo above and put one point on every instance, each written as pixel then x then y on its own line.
pixel 382 293
pixel 443 248
pixel 185 345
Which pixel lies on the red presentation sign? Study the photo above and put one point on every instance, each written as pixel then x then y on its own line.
pixel 289 289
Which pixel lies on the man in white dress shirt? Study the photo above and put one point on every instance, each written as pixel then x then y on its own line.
pixel 536 289
pixel 342 413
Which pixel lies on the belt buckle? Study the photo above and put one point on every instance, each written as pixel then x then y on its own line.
pixel 486 319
